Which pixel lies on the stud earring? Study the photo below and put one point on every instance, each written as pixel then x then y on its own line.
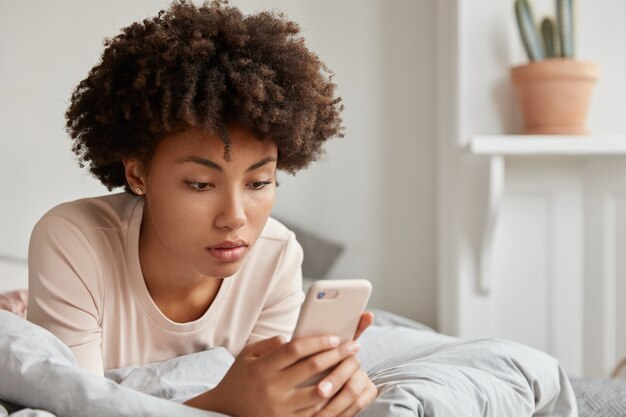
pixel 139 191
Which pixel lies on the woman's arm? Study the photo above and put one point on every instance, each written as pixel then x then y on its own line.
pixel 65 288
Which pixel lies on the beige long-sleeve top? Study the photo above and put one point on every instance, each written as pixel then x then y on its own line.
pixel 86 287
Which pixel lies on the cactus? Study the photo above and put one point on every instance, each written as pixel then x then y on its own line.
pixel 558 38
pixel 528 30
pixel 549 37
pixel 565 18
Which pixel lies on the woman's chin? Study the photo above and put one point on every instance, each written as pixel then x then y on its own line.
pixel 222 271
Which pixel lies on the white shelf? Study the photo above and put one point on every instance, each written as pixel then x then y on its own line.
pixel 513 145
pixel 499 147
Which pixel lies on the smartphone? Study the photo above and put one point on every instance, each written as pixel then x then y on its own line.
pixel 333 306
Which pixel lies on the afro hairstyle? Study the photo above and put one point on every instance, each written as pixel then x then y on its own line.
pixel 202 67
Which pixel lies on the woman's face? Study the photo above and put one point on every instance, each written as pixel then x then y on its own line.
pixel 202 213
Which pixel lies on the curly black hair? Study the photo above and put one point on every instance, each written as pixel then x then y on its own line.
pixel 203 67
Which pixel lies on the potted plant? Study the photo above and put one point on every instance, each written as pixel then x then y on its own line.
pixel 554 89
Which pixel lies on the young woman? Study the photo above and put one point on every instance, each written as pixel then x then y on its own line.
pixel 192 112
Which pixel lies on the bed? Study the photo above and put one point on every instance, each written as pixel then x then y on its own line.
pixel 418 371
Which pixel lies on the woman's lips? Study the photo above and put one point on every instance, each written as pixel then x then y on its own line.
pixel 228 254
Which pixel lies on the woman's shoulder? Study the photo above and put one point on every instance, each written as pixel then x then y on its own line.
pixel 276 242
pixel 108 211
pixel 275 230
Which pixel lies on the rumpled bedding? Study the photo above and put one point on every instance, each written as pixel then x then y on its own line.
pixel 39 372
pixel 418 373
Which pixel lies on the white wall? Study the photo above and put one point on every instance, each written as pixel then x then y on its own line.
pixel 14 275
pixel 374 191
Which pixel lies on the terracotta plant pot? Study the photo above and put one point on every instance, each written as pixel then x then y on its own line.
pixel 554 95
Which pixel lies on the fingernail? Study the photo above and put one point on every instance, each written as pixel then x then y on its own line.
pixel 325 388
pixel 353 346
pixel 334 340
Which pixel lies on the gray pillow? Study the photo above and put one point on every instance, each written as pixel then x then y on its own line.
pixel 320 253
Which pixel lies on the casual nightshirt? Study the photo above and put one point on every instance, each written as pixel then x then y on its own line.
pixel 86 287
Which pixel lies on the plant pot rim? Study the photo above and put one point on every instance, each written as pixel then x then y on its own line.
pixel 556 68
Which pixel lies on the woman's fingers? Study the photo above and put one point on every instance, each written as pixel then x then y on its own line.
pixel 338 378
pixel 283 355
pixel 269 374
pixel 312 407
pixel 368 395
pixel 313 365
pixel 292 352
pixel 308 400
pixel 357 393
pixel 367 318
pixel 318 394
pixel 262 347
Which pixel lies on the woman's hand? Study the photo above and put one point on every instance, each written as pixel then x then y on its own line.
pixel 264 379
pixel 367 318
pixel 354 396
pixel 357 393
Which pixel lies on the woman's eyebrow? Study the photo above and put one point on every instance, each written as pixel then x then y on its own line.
pixel 201 161
pixel 213 165
pixel 262 162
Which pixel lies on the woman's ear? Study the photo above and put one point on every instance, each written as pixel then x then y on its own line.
pixel 135 175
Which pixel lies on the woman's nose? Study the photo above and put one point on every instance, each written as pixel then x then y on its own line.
pixel 232 215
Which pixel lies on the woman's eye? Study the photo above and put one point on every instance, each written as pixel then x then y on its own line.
pixel 199 186
pixel 257 185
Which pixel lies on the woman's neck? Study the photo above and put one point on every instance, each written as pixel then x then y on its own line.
pixel 186 306
pixel 181 294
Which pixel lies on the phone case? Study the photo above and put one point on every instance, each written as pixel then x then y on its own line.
pixel 333 306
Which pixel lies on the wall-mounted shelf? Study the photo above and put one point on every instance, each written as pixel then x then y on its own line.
pixel 499 147
pixel 520 145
